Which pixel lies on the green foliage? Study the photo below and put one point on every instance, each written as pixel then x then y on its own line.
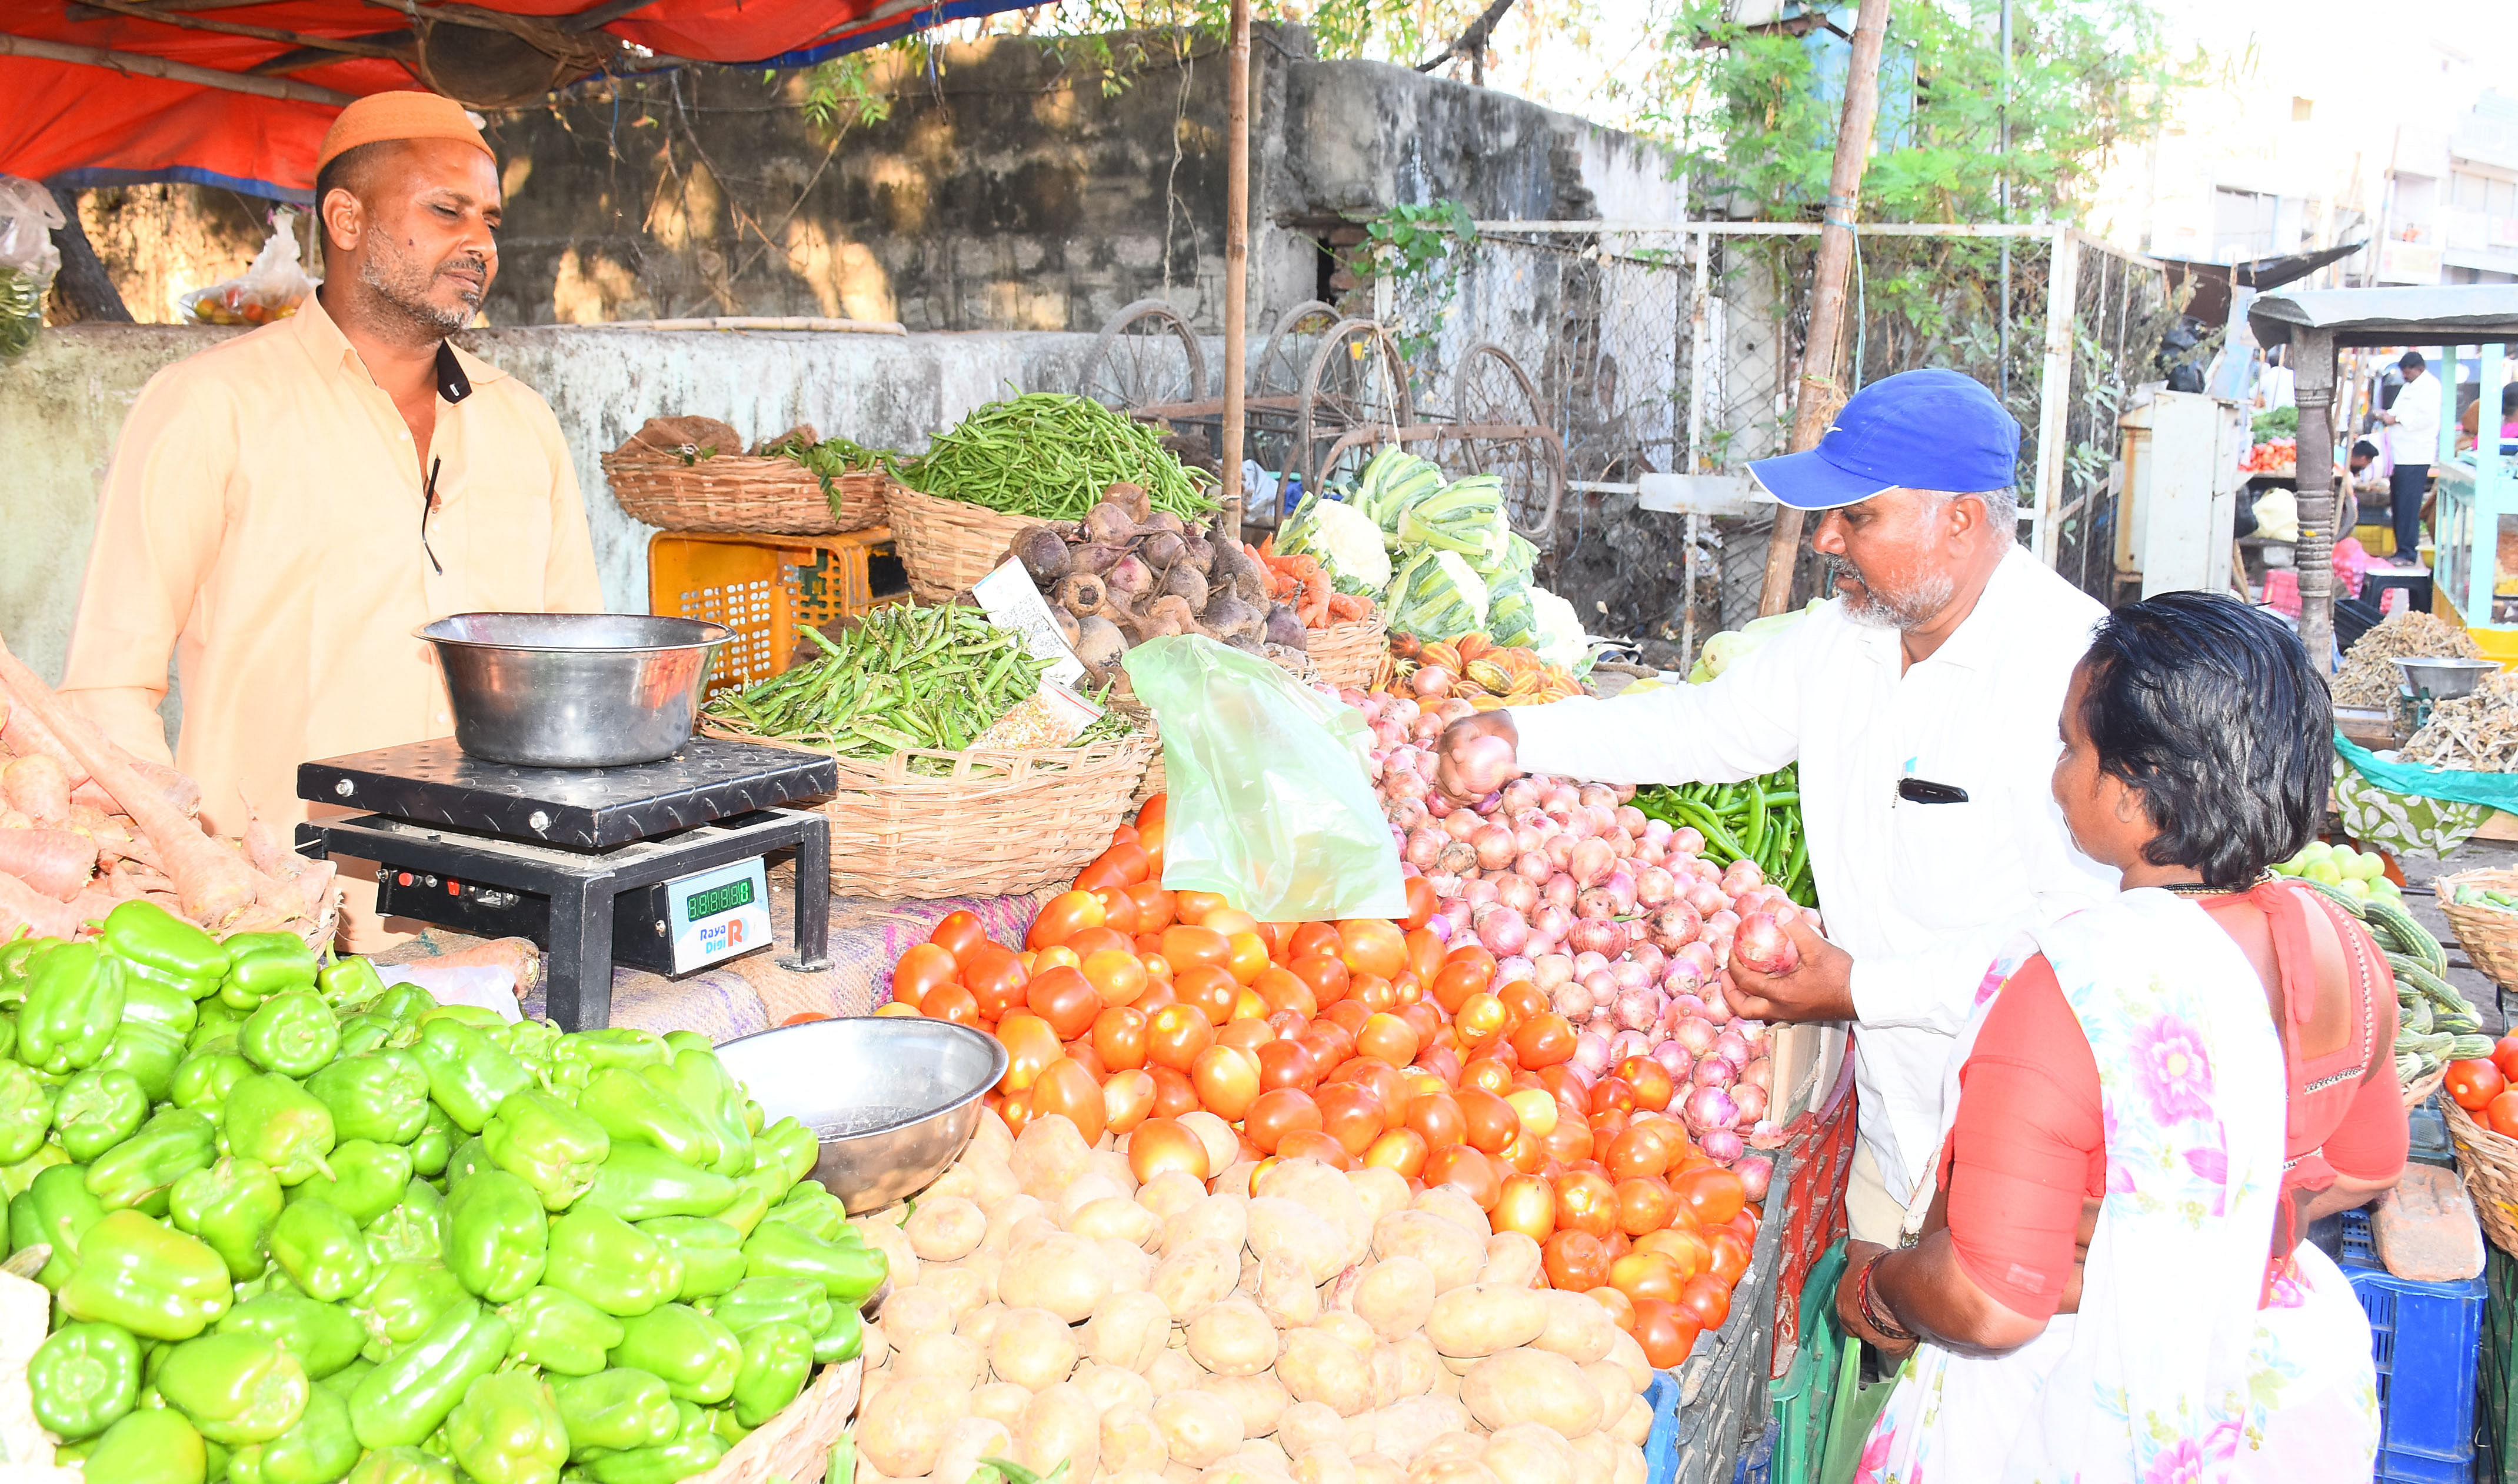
pixel 847 91
pixel 1423 250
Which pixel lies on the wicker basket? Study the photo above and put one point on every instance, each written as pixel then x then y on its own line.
pixel 1003 820
pixel 1124 702
pixel 740 493
pixel 2488 936
pixel 1350 656
pixel 2489 1163
pixel 796 1444
pixel 948 545
pixel 2422 1088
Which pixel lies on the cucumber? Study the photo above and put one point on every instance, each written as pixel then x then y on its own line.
pixel 2390 923
pixel 2415 981
pixel 2470 1047
pixel 2355 905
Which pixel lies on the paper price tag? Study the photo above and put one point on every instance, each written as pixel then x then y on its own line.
pixel 1010 602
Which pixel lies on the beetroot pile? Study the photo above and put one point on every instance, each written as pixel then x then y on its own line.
pixel 1618 918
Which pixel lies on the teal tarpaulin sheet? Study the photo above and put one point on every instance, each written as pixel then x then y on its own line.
pixel 2491 790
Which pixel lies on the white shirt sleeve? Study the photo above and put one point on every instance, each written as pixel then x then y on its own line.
pixel 1745 723
pixel 2415 437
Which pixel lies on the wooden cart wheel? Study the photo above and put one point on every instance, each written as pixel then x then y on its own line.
pixel 1491 389
pixel 1146 356
pixel 1278 371
pixel 1356 379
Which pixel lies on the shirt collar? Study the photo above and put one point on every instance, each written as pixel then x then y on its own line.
pixel 459 371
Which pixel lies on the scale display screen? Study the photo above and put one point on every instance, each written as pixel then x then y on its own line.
pixel 718 914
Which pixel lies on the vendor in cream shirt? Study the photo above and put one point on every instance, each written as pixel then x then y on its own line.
pixel 1922 704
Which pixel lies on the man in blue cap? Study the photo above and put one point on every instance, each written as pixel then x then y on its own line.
pixel 1922 704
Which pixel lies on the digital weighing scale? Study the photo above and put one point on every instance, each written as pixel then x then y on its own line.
pixel 658 865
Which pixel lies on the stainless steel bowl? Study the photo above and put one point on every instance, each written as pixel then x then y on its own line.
pixel 2444 679
pixel 894 1098
pixel 573 690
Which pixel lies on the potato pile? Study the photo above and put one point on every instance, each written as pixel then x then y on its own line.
pixel 1326 1328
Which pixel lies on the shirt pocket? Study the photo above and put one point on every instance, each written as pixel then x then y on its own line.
pixel 1948 856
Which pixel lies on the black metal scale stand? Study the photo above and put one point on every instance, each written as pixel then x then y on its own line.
pixel 573 858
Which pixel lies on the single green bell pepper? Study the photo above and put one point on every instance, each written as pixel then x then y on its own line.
pixel 812 1210
pixel 84 1377
pixel 318 1449
pixel 56 1210
pixel 616 1410
pixel 26 1105
pixel 272 1119
pixel 638 1182
pixel 324 1337
pixel 634 1109
pixel 533 1042
pixel 467 1076
pixel 848 1272
pixel 142 1169
pixel 414 1230
pixel 15 1178
pixel 148 1448
pixel 219 1021
pixel 697 1356
pixel 695 1449
pixel 436 1143
pixel 710 1252
pixel 549 1145
pixel 777 1361
pixel 149 1054
pixel 293 1033
pixel 343 1382
pixel 369 1031
pixel 843 1339
pixel 379 1095
pixel 169 949
pixel 750 1203
pixel 400 1302
pixel 320 1250
pixel 98 1110
pixel 468 1158
pixel 232 1207
pixel 350 984
pixel 263 964
pixel 560 1331
pixel 237 1387
pixel 788 1144
pixel 404 1003
pixel 158 1002
pixel 204 1079
pixel 402 1465
pixel 698 1081
pixel 756 1301
pixel 509 1431
pixel 498 1237
pixel 404 1398
pixel 146 1277
pixel 615 1046
pixel 73 1006
pixel 368 1179
pixel 610 1264
pixel 479 1017
pixel 767 1185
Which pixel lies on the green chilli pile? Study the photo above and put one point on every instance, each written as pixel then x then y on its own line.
pixel 1756 818
pixel 1049 457
pixel 303 1226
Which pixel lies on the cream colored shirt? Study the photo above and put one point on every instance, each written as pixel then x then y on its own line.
pixel 261 521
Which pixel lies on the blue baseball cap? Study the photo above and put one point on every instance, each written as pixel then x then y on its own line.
pixel 1916 430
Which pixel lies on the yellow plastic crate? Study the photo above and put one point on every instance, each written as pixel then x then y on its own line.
pixel 769 589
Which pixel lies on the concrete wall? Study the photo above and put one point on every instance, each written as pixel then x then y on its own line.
pixel 62 406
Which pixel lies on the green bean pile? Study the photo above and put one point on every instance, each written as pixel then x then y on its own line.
pixel 906 677
pixel 1758 818
pixel 1049 457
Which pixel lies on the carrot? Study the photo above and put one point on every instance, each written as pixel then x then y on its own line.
pixel 213 881
pixel 55 862
pixel 180 791
pixel 26 735
pixel 38 787
pixel 517 955
pixel 24 910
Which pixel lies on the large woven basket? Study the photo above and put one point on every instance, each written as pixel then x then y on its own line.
pixel 1124 701
pixel 739 494
pixel 1002 821
pixel 1352 656
pixel 794 1444
pixel 948 545
pixel 2488 935
pixel 2489 1162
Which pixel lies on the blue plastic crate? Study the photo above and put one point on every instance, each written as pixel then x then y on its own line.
pixel 2426 1337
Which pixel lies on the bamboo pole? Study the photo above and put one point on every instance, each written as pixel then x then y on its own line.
pixel 1237 241
pixel 138 64
pixel 1815 399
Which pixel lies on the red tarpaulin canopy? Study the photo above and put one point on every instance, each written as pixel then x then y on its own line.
pixel 237 93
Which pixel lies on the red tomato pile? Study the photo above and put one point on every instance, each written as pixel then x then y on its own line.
pixel 2483 1087
pixel 1360 1043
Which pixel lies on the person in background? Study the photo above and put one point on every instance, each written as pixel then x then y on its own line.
pixel 1920 702
pixel 2471 419
pixel 284 508
pixel 2367 486
pixel 2413 438
pixel 2151 1100
pixel 2275 385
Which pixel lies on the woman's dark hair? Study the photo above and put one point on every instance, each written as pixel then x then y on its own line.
pixel 2211 712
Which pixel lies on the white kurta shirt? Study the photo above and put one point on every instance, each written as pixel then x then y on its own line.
pixel 1922 895
pixel 2413 436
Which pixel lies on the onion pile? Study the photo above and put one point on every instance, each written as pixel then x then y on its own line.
pixel 1618 918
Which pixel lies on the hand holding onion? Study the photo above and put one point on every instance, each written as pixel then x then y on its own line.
pixel 1476 756
pixel 1782 969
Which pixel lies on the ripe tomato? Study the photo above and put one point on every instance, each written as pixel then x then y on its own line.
pixel 1248 955
pixel 1713 1195
pixel 1324 975
pixel 1122 864
pixel 1016 1109
pixel 1119 1037
pixel 1685 1248
pixel 1065 1087
pixel 1058 956
pixel 922 968
pixel 1575 1260
pixel 1152 828
pixel 2505 1055
pixel 1206 989
pixel 1162 1143
pixel 951 1002
pixel 1281 989
pixel 958 933
pixel 1030 1046
pixel 1642 1275
pixel 1544 1039
pixel 1639 1151
pixel 1330 1044
pixel 1491 1120
pixel 1372 946
pixel 1708 1296
pixel 1311 1144
pixel 1424 954
pixel 1526 1205
pixel 1728 1258
pixel 1586 1203
pixel 1665 1333
pixel 1522 998
pixel 1174 1094
pixel 996 976
pixel 2475 1084
pixel 1351 1114
pixel 1422 903
pixel 1645 1205
pixel 1570 1140
pixel 1248 1031
pixel 1066 915
pixel 1085 942
pixel 1115 976
pixel 1186 946
pixel 1649 1080
pixel 1387 1038
pixel 1286 1064
pixel 1373 991
pixel 1194 906
pixel 1277 1113
pixel 1065 999
pixel 1127 1100
pixel 1480 1016
pixel 1486 1074
pixel 1470 1170
pixel 1402 1149
pixel 1436 1117
pixel 1176 1035
pixel 1154 909
pixel 1611 1091
pixel 1621 1309
pixel 1227 1078
pixel 2501 1114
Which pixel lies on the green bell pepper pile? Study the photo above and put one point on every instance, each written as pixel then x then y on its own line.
pixel 303 1227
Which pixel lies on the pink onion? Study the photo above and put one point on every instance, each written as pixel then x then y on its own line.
pixel 1513 966
pixel 1574 1000
pixel 1504 934
pixel 1431 680
pixel 1550 921
pixel 1459 911
pixel 1739 875
pixel 1484 763
pixel 1518 892
pixel 1462 826
pixel 1682 980
pixel 1722 924
pixel 1577 826
pixel 1560 890
pixel 1604 989
pixel 1638 1009
pixel 1751 1102
pixel 1595 902
pixel 1757 1171
pixel 1683 1003
pixel 1560 799
pixel 1621 887
pixel 1722 1146
pixel 1688 838
pixel 1758 1073
pixel 1589 963
pixel 1425 728
pixel 1596 793
pixel 1591 1054
pixel 1674 1060
pixel 1454 708
pixel 1441 927
pixel 1407 813
pixel 1520 794
pixel 1560 849
pixel 1732 1047
pixel 1763 946
pixel 1403 785
pixel 1654 887
pixel 1595 935
pixel 1707 1109
pixel 1628 1043
pixel 1477 891
pixel 1600 1024
pixel 1535 865
pixel 1423 846
pixel 1548 970
pixel 1718 1006
pixel 1631 819
pixel 1696 1035
pixel 1650 958
pixel 1455 860
pixel 1400 708
pixel 1629 975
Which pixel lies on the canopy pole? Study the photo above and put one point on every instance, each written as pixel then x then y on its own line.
pixel 1815 399
pixel 1236 244
pixel 138 64
pixel 2313 386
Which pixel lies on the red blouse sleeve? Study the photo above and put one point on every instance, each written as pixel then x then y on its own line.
pixel 2027 1145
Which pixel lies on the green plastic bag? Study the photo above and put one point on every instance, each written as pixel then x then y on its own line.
pixel 1270 803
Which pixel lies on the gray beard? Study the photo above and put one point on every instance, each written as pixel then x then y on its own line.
pixel 413 304
pixel 1903 611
